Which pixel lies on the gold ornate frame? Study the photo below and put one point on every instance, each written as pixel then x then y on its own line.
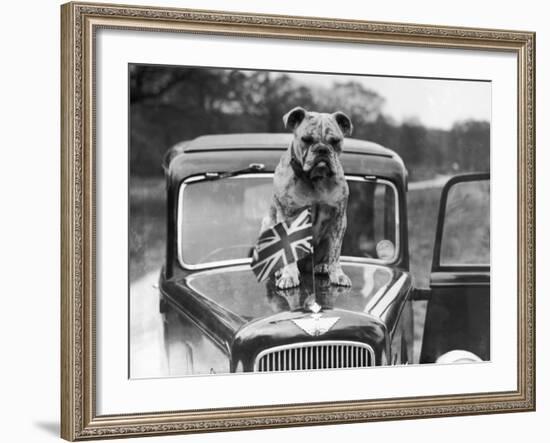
pixel 79 420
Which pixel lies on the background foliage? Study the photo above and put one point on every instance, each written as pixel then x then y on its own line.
pixel 171 104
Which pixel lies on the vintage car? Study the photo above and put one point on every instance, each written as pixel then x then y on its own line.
pixel 218 318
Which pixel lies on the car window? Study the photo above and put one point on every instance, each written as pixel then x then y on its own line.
pixel 466 230
pixel 372 220
pixel 220 220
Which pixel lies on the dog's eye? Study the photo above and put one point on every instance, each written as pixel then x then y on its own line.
pixel 307 139
pixel 334 141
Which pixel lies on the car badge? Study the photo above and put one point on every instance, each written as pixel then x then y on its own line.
pixel 315 324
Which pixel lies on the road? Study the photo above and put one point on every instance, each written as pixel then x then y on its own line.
pixel 147 352
pixel 432 183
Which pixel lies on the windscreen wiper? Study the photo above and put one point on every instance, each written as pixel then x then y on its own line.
pixel 252 167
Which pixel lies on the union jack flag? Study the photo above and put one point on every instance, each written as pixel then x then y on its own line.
pixel 281 245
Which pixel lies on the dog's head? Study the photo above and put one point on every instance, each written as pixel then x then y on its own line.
pixel 318 139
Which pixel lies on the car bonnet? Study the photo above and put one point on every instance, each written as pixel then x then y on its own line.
pixel 237 290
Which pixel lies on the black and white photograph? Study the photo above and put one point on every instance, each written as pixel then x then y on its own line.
pixel 301 221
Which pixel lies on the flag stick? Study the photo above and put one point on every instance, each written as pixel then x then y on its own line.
pixel 313 272
pixel 312 257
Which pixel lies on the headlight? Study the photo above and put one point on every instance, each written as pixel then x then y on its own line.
pixel 458 356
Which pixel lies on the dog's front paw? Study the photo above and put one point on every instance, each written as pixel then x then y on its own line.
pixel 289 277
pixel 338 278
pixel 287 281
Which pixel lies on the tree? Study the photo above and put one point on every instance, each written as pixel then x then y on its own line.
pixel 266 97
pixel 469 143
pixel 362 105
pixel 412 145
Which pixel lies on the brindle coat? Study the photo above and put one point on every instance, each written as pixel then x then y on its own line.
pixel 310 174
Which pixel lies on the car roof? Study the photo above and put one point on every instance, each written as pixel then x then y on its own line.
pixel 229 152
pixel 277 141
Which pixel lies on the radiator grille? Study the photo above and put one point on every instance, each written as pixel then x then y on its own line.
pixel 315 355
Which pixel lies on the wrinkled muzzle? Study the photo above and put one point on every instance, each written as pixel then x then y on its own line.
pixel 319 163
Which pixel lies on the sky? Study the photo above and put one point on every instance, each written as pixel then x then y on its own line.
pixel 435 103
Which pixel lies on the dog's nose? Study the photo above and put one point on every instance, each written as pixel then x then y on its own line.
pixel 322 150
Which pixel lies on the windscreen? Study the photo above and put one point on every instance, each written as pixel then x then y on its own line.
pixel 220 220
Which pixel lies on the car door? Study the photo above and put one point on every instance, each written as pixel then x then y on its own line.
pixel 458 311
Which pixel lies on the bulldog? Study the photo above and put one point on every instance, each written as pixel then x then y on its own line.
pixel 310 174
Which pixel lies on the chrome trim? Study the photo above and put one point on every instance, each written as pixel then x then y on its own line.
pixel 315 355
pixel 466 266
pixel 378 305
pixel 243 261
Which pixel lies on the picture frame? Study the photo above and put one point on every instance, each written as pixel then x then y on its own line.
pixel 79 177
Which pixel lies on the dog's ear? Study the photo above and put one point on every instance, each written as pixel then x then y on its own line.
pixel 294 117
pixel 344 122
